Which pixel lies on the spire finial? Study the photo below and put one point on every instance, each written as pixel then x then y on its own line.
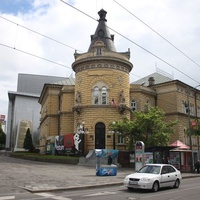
pixel 102 14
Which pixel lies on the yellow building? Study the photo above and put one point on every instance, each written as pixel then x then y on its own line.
pixel 101 93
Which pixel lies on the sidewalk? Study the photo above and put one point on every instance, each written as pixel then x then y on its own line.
pixel 90 181
pixel 34 176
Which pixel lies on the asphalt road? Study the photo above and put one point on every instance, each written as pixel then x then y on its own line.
pixel 189 189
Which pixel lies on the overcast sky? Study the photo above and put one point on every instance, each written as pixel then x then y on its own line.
pixel 175 20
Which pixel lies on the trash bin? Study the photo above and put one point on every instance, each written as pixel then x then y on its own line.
pixel 106 170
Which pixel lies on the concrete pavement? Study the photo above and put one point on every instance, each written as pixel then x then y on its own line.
pixel 18 175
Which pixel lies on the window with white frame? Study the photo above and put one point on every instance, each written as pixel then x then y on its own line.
pixel 100 95
pixel 184 107
pixel 98 51
pixel 133 105
pixel 147 105
pixel 104 95
pixel 192 109
pixel 96 96
pixel 120 139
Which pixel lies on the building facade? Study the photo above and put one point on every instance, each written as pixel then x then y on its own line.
pixel 24 109
pixel 102 94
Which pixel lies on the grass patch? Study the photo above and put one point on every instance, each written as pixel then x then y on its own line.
pixel 46 158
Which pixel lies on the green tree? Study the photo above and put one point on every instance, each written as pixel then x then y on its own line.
pixel 128 131
pixel 2 138
pixel 149 126
pixel 28 142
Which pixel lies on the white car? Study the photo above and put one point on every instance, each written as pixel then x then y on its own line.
pixel 153 177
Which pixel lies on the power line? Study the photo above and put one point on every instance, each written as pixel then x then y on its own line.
pixel 157 33
pixel 40 34
pixel 45 37
pixel 81 51
pixel 134 43
pixel 30 54
pixel 25 52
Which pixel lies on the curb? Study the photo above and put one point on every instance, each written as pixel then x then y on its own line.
pixel 53 189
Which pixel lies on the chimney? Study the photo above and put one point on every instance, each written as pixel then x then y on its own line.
pixel 151 81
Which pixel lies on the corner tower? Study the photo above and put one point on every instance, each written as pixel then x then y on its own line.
pixel 102 87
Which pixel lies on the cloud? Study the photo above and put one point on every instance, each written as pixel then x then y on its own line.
pixel 176 21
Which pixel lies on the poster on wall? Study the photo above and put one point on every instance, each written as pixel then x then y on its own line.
pixel 148 157
pixel 139 155
pixel 50 145
pixel 69 143
pixel 59 145
pixel 21 134
pixel 64 144
pixel 175 159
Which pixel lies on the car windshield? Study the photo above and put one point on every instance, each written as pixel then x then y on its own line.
pixel 151 169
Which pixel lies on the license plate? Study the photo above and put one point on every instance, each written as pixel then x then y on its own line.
pixel 133 182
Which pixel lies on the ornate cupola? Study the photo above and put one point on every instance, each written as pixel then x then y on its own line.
pixel 102 47
pixel 102 34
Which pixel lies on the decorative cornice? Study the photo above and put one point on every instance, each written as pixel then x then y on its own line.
pixel 81 68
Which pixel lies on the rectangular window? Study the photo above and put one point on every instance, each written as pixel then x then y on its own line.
pixel 184 108
pixel 133 105
pixel 98 51
pixel 120 139
pixel 191 109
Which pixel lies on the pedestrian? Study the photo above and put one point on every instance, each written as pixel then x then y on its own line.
pixel 197 166
pixel 110 160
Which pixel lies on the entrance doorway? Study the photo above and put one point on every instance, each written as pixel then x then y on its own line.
pixel 100 136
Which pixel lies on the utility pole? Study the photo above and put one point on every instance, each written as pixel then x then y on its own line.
pixel 196 110
pixel 189 129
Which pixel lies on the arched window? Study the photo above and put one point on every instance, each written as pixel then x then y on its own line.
pixel 104 95
pixel 100 95
pixel 96 96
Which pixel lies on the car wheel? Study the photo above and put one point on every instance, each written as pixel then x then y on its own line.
pixel 177 183
pixel 155 186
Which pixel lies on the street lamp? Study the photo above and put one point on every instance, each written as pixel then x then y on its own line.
pixel 113 132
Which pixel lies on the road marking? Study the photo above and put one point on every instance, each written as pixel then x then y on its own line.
pixel 52 196
pixel 44 194
pixel 7 197
pixel 100 194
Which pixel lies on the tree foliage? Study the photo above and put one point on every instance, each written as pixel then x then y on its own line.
pixel 149 127
pixel 2 138
pixel 28 142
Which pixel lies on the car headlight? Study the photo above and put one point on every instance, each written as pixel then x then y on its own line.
pixel 126 178
pixel 145 179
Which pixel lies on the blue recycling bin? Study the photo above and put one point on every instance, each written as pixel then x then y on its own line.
pixel 106 170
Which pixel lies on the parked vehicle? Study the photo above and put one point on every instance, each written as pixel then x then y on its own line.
pixel 153 177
